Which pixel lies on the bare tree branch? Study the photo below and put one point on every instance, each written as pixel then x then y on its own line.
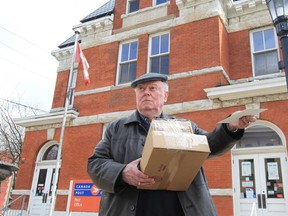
pixel 12 135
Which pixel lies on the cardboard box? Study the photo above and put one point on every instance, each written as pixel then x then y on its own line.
pixel 173 154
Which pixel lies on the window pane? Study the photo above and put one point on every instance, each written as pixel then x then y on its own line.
pixel 164 69
pixel 160 1
pixel 125 52
pixel 155 45
pixel 258 41
pixel 51 153
pixel 274 178
pixel 155 62
pixel 132 72
pixel 41 182
pixel 133 6
pixel 133 50
pixel 127 72
pixel 269 39
pixel 260 64
pixel 124 70
pixel 272 62
pixel 266 63
pixel 247 171
pixel 259 136
pixel 164 43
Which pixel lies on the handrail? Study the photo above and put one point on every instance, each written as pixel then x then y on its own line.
pixel 6 208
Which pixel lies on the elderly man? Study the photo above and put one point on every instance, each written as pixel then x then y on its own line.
pixel 114 165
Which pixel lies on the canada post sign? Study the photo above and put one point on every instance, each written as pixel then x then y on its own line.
pixel 86 189
pixel 85 196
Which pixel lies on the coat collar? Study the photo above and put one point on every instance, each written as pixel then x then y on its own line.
pixel 135 118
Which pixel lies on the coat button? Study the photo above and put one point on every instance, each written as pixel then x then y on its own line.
pixel 132 207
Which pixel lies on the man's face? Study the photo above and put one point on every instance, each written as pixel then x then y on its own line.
pixel 150 98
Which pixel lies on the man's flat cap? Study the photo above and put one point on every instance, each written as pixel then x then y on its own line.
pixel 149 77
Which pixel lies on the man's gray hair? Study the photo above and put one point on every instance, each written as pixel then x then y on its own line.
pixel 166 86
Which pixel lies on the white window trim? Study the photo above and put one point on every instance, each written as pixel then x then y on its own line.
pixel 119 59
pixel 150 46
pixel 252 49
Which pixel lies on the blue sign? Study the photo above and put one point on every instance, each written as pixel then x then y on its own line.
pixel 86 189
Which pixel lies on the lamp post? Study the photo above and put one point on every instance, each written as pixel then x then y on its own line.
pixel 279 13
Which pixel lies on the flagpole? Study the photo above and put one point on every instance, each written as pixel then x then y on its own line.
pixel 59 153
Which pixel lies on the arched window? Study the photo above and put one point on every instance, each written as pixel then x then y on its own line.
pixel 259 136
pixel 51 153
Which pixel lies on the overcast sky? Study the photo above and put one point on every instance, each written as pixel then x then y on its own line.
pixel 29 31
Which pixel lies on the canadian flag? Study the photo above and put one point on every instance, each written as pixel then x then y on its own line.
pixel 80 57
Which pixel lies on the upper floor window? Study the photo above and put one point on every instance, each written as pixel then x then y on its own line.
pixel 133 5
pixel 264 52
pixel 127 62
pixel 157 2
pixel 159 53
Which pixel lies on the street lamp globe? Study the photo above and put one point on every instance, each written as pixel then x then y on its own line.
pixel 279 13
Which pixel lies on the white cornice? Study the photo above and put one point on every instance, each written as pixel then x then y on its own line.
pixel 88 28
pixel 240 6
pixel 95 25
pixel 46 119
pixel 247 14
pixel 250 89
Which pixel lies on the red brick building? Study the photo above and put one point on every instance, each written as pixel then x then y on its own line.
pixel 221 56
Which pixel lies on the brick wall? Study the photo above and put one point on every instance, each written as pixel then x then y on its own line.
pixel 239 48
pixel 193 46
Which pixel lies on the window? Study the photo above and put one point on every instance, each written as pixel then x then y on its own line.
pixel 159 54
pixel 133 5
pixel 157 2
pixel 51 153
pixel 127 63
pixel 264 52
pixel 259 136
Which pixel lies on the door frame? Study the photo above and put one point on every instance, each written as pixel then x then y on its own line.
pixel 50 167
pixel 40 164
pixel 246 152
pixel 260 186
